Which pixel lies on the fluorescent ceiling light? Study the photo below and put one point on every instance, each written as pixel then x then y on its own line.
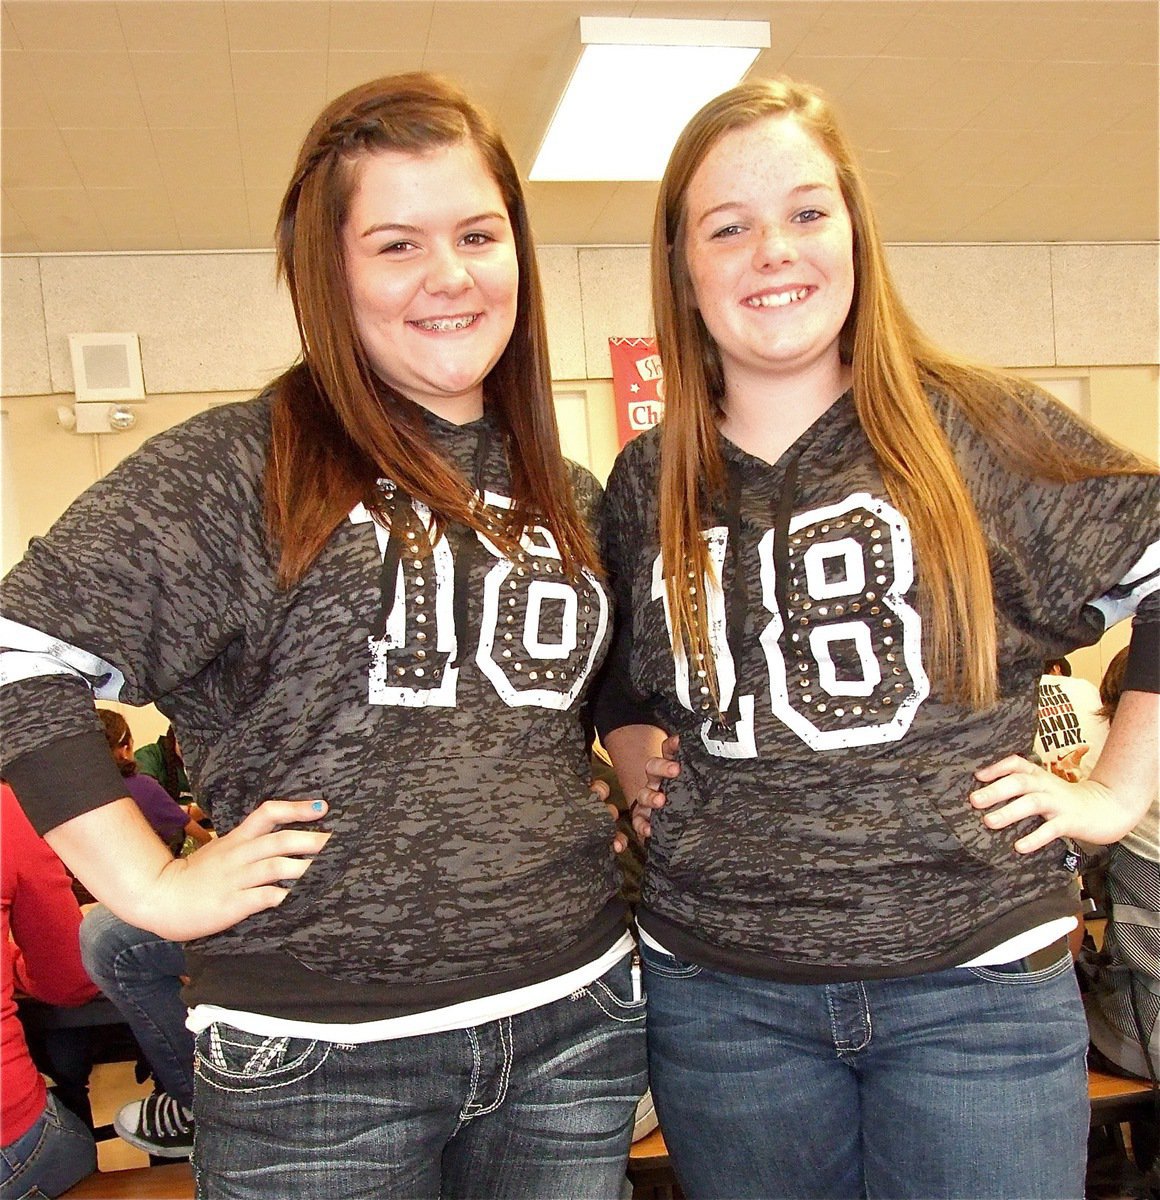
pixel 637 83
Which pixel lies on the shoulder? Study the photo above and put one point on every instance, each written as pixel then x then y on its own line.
pixel 638 464
pixel 208 473
pixel 585 487
pixel 233 434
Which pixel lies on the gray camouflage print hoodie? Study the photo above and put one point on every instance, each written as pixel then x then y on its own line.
pixel 437 711
pixel 821 830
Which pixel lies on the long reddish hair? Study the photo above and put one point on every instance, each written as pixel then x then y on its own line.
pixel 893 364
pixel 336 427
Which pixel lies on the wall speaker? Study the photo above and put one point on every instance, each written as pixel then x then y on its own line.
pixel 106 366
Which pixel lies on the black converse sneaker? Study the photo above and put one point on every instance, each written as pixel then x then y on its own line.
pixel 158 1125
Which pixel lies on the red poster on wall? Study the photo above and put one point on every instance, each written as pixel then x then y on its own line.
pixel 637 384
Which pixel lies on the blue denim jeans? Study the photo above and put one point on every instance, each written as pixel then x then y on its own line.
pixel 141 973
pixel 536 1105
pixel 55 1153
pixel 961 1083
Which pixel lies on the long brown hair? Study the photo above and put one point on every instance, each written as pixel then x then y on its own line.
pixel 336 427
pixel 892 363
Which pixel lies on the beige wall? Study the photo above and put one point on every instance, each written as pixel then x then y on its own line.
pixel 214 327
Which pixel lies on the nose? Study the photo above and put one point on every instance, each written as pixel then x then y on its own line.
pixel 775 246
pixel 447 273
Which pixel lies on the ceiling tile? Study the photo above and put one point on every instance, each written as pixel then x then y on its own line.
pixel 261 112
pixel 22 105
pixel 558 211
pixel 66 24
pixel 894 92
pixel 192 107
pixel 401 27
pixel 262 205
pixel 277 25
pixel 144 211
pixel 851 27
pixel 1100 159
pixel 59 219
pixel 627 218
pixel 212 220
pixel 160 27
pixel 15 236
pixel 98 108
pixel 835 75
pixel 269 155
pixel 112 158
pixel 279 71
pixel 348 68
pixel 506 29
pixel 73 71
pixel 9 38
pixel 1123 33
pixel 158 73
pixel 944 30
pixel 188 157
pixel 37 158
pixel 967 95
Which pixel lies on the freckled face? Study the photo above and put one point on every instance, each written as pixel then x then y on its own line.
pixel 770 251
pixel 431 269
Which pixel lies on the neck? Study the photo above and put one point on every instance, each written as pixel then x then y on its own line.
pixel 765 415
pixel 458 410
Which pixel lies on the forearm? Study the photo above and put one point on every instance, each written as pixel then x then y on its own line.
pixel 1129 763
pixel 116 855
pixel 630 747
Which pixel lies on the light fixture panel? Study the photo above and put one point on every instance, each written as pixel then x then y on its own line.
pixel 106 367
pixel 637 83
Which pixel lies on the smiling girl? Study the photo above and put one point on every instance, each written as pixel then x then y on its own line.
pixel 372 592
pixel 839 564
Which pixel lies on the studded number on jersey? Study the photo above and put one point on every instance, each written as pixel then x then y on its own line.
pixel 848 669
pixel 539 631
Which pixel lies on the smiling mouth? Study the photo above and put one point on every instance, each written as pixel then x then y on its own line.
pixel 447 324
pixel 778 299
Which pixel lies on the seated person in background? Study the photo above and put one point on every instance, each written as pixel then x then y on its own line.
pixel 143 974
pixel 169 820
pixel 1070 732
pixel 44 1145
pixel 162 759
pixel 1123 993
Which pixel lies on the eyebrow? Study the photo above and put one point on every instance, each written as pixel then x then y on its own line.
pixel 399 227
pixel 800 189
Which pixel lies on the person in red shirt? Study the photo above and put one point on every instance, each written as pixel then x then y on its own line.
pixel 42 1144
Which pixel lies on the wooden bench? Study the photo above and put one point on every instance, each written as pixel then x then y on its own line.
pixel 174 1181
pixel 649 1171
pixel 1115 1099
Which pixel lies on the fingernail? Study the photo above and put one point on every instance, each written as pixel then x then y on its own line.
pixel 318 806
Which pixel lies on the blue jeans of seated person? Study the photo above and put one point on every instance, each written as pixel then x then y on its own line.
pixel 961 1083
pixel 532 1106
pixel 141 973
pixel 55 1153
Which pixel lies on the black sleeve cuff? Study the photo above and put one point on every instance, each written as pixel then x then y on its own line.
pixel 65 779
pixel 1142 673
pixel 615 703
